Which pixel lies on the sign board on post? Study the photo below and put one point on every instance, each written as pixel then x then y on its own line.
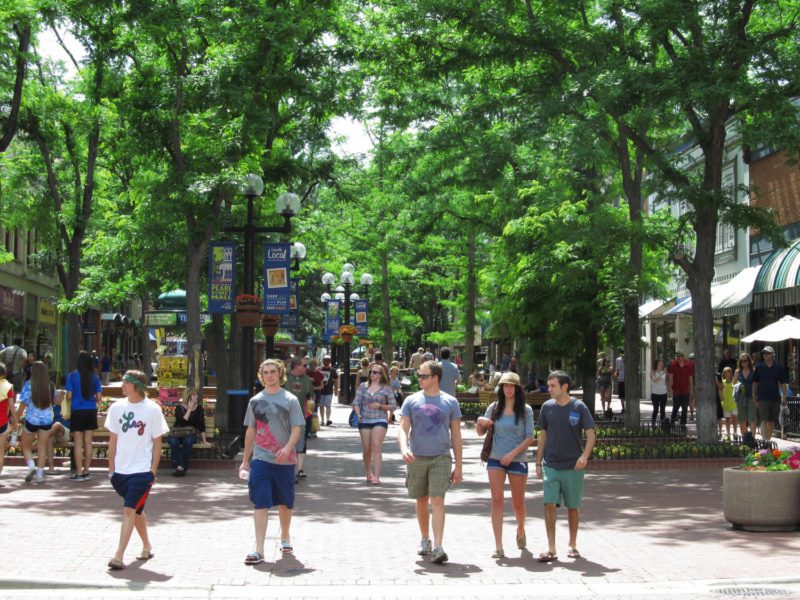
pixel 360 313
pixel 276 279
pixel 292 320
pixel 221 277
pixel 332 319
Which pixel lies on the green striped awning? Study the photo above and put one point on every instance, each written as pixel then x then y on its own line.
pixel 778 282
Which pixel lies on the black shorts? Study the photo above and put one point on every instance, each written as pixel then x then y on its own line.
pixel 769 411
pixel 31 428
pixel 83 420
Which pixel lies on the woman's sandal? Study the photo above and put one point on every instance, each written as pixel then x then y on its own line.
pixel 253 558
pixel 115 564
pixel 573 553
pixel 286 547
pixel 146 554
pixel 498 554
pixel 547 557
pixel 522 542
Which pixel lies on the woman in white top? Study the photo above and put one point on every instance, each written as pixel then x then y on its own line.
pixel 658 390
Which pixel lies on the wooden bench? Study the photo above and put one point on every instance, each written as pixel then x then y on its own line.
pixel 101 437
pixel 535 399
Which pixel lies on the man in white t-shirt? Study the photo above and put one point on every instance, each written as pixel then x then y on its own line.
pixel 136 424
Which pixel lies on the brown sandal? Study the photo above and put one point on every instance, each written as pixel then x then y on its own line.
pixel 547 557
pixel 115 564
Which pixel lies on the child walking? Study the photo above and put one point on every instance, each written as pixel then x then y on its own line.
pixel 136 424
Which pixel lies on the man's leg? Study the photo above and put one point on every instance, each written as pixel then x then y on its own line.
pixel 550 527
pixel 437 519
pixel 767 428
pixel 140 523
pixel 260 521
pixel 573 516
pixel 423 517
pixel 125 531
pixel 285 516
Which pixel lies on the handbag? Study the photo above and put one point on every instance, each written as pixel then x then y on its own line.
pixel 486 450
pixel 353 420
pixel 314 423
pixel 182 431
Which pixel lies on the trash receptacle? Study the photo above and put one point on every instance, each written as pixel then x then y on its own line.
pixel 237 405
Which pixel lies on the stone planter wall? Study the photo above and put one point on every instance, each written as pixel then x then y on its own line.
pixel 761 500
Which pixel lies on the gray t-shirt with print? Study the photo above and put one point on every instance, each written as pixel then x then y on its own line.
pixel 430 422
pixel 273 416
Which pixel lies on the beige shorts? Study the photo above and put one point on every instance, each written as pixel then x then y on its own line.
pixel 428 476
pixel 60 434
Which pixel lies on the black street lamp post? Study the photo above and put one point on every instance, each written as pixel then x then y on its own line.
pixel 287 205
pixel 345 293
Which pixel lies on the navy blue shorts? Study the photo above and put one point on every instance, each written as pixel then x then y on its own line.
pixel 271 485
pixel 513 468
pixel 383 424
pixel 133 488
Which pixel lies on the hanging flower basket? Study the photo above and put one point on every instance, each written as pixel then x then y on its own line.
pixel 248 309
pixel 270 324
pixel 347 332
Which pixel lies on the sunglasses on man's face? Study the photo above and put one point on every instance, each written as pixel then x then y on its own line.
pixel 423 375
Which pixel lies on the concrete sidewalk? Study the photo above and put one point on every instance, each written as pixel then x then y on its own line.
pixel 656 534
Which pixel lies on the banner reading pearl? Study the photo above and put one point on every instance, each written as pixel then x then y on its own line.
pixel 221 277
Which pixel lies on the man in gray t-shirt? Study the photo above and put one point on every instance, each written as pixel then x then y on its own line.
pixel 451 377
pixel 274 423
pixel 561 460
pixel 431 421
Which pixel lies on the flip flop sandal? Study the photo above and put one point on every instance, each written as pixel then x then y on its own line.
pixel 573 553
pixel 253 558
pixel 145 554
pixel 522 542
pixel 115 565
pixel 286 547
pixel 547 557
pixel 498 554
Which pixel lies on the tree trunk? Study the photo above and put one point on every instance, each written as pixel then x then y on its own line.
pixel 471 301
pixel 144 339
pixel 587 367
pixel 197 255
pixel 217 342
pixel 388 345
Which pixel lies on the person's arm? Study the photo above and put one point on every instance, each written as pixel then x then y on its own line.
pixel 249 439
pixel 112 452
pixel 156 456
pixel 336 385
pixel 754 389
pixel 284 454
pixel 402 438
pixel 583 459
pixel 691 385
pixel 540 452
pixel 455 439
pixel 669 384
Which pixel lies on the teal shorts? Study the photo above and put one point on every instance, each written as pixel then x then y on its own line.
pixel 563 487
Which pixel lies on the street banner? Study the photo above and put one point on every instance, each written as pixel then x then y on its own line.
pixel 332 319
pixel 360 313
pixel 276 279
pixel 221 277
pixel 292 320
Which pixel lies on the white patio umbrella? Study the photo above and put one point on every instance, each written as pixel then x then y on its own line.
pixel 786 328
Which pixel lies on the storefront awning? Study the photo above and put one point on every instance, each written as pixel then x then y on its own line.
pixel 778 283
pixel 648 307
pixel 730 298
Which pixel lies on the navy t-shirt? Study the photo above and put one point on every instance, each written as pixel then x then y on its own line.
pixel 564 426
pixel 769 380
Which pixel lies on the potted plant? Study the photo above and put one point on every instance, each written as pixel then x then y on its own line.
pixel 347 332
pixel 248 308
pixel 763 494
pixel 270 324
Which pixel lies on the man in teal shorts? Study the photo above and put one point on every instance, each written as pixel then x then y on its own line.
pixel 561 459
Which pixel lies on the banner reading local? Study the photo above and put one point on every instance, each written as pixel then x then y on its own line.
pixel 221 276
pixel 332 319
pixel 360 310
pixel 276 279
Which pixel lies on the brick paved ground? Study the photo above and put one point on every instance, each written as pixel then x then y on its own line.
pixel 644 534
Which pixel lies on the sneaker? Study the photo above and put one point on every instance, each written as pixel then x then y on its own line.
pixel 85 477
pixel 31 474
pixel 425 548
pixel 39 478
pixel 301 474
pixel 75 477
pixel 329 423
pixel 439 556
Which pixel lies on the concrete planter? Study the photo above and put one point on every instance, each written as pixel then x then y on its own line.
pixel 761 500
